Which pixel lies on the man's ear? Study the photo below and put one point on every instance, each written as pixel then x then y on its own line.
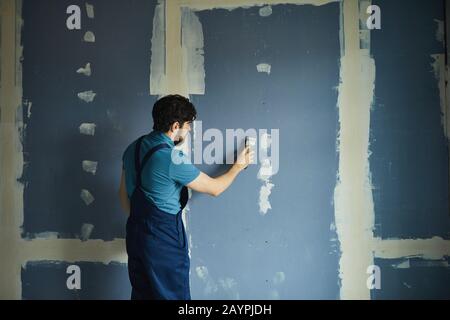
pixel 175 126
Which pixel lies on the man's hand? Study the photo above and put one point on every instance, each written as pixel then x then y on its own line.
pixel 244 158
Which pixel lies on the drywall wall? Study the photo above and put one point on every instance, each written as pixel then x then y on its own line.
pixel 299 98
pixel 72 100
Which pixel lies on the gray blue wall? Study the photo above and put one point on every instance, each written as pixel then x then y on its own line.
pixel 291 252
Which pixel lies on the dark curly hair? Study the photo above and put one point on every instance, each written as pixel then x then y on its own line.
pixel 170 109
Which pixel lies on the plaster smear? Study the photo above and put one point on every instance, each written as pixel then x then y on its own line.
pixel 46 235
pixel 89 36
pixel 29 104
pixel 90 10
pixel 192 50
pixel 89 166
pixel 421 264
pixel 158 58
pixel 407 285
pixel 279 278
pixel 86 196
pixel 353 202
pixel 265 174
pixel 86 70
pixel 364 32
pixel 11 148
pixel 87 96
pixel 274 294
pixel 264 67
pixel 87 129
pixel 265 11
pixel 435 248
pixel 402 265
pixel 440 32
pixel 230 286
pixel 210 285
pixel 234 4
pixel 440 73
pixel 86 231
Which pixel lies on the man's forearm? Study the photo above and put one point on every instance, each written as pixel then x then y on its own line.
pixel 225 180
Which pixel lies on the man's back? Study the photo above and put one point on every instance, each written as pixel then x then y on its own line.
pixel 162 178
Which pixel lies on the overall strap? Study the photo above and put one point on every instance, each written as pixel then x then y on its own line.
pixel 140 166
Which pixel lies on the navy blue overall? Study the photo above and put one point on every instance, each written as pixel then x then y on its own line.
pixel 157 247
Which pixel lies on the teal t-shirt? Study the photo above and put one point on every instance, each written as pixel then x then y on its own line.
pixel 162 176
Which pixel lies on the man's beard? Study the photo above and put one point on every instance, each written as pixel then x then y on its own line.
pixel 180 140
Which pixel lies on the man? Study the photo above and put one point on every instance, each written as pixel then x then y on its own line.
pixel 153 191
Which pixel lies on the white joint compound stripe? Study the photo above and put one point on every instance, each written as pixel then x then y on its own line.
pixel 353 194
pixel 11 156
pixel 192 49
pixel 434 248
pixel 86 231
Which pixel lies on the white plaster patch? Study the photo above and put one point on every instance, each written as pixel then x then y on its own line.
pixel 210 285
pixel 265 11
pixel 29 105
pixel 89 166
pixel 87 96
pixel 264 193
pixel 230 287
pixel 264 67
pixel 279 278
pixel 202 272
pixel 402 265
pixel 47 235
pixel 90 10
pixel 199 5
pixel 86 196
pixel 265 173
pixel 87 129
pixel 86 231
pixel 89 36
pixel 86 70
